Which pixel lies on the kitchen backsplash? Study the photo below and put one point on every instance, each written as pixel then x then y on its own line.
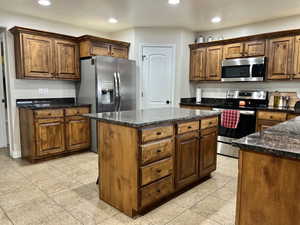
pixel 218 90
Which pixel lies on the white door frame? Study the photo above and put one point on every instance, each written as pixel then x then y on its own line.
pixel 173 72
pixel 3 38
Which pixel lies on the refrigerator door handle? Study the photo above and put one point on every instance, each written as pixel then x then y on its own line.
pixel 116 86
pixel 119 83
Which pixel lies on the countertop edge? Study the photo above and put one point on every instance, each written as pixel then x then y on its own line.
pixel 52 107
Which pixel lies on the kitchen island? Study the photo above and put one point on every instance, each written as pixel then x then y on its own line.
pixel 146 156
pixel 269 176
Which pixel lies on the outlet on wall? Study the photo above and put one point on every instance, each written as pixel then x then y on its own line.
pixel 43 91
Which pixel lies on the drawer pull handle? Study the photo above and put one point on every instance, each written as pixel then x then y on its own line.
pixel 158 191
pixel 189 127
pixel 158 133
pixel 271 117
pixel 49 114
pixel 158 170
pixel 158 151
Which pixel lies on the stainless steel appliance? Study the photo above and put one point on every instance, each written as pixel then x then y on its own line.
pixel 244 69
pixel 246 102
pixel 108 84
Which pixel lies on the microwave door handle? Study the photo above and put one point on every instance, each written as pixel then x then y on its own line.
pixel 251 70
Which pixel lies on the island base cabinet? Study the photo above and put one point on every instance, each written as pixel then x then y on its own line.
pixel 208 151
pixel 268 190
pixel 187 163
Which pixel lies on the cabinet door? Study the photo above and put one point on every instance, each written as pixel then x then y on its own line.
pixel 67 59
pixel 233 50
pixel 208 153
pixel 197 64
pixel 78 135
pixel 296 69
pixel 37 56
pixel 214 56
pixel 119 52
pixel 50 138
pixel 262 125
pixel 280 58
pixel 102 49
pixel 254 48
pixel 187 159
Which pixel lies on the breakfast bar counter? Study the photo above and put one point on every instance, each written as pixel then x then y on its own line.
pixel 147 156
pixel 269 175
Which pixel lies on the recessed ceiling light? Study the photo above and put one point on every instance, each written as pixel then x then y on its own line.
pixel 216 19
pixel 44 2
pixel 174 2
pixel 112 20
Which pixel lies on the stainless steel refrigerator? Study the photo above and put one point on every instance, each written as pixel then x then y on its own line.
pixel 109 85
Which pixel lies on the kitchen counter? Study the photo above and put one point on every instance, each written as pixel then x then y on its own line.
pixel 148 156
pixel 141 118
pixel 280 140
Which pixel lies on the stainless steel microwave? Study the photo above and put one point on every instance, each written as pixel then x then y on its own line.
pixel 244 69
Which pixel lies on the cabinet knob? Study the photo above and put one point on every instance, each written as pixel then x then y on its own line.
pixel 49 114
pixel 271 117
pixel 158 151
pixel 158 133
pixel 158 170
pixel 158 191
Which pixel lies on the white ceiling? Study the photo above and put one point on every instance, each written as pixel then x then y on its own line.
pixel 191 14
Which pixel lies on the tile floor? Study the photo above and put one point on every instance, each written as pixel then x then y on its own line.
pixel 63 191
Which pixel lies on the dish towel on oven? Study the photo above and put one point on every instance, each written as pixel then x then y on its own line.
pixel 230 118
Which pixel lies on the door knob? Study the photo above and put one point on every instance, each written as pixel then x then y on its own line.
pixel 168 102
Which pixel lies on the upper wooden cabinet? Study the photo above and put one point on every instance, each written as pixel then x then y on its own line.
pixel 244 49
pixel 296 68
pixel 197 67
pixel 280 58
pixel 44 55
pixel 214 57
pixel 93 46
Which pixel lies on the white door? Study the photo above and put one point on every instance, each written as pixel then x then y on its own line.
pixel 3 138
pixel 158 74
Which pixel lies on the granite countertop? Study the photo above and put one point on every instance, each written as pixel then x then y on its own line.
pixel 278 109
pixel 52 106
pixel 281 140
pixel 147 117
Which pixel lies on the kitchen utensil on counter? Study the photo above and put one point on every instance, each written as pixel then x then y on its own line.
pixel 276 101
pixel 198 95
pixel 286 101
pixel 200 39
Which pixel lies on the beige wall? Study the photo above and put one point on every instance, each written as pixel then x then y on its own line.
pixel 218 89
pixel 29 89
pixel 160 36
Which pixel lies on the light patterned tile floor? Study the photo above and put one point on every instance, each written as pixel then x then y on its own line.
pixel 63 192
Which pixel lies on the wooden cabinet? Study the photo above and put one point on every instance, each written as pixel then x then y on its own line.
pixel 93 46
pixel 280 58
pixel 244 49
pixel 208 151
pixel 66 55
pixel 50 138
pixel 198 64
pixel 44 55
pixel 77 133
pixel 48 132
pixel 152 162
pixel 214 57
pixel 267 119
pixel 235 50
pixel 187 159
pixel 296 62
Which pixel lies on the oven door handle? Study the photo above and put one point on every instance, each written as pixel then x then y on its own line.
pixel 243 112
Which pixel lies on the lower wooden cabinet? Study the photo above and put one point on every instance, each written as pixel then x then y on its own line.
pixel 142 166
pixel 187 159
pixel 50 137
pixel 77 133
pixel 208 151
pixel 45 133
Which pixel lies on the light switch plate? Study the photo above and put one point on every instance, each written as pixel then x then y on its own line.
pixel 43 91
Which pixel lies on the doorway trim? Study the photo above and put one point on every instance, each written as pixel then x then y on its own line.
pixel 3 37
pixel 140 60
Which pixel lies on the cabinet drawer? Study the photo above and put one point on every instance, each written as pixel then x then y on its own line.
pixel 49 113
pixel 292 116
pixel 76 111
pixel 156 133
pixel 156 170
pixel 210 122
pixel 156 151
pixel 154 192
pixel 186 127
pixel 278 116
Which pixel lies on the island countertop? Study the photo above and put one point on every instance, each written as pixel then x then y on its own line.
pixel 147 117
pixel 282 140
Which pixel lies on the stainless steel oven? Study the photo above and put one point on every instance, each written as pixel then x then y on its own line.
pixel 244 69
